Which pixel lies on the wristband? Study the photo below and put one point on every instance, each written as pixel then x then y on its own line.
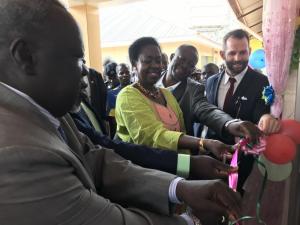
pixel 183 165
pixel 230 122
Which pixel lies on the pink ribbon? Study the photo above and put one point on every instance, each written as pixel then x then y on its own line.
pixel 242 145
pixel 233 177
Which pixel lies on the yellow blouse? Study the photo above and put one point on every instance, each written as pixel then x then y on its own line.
pixel 138 122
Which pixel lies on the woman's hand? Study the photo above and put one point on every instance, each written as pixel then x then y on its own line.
pixel 218 148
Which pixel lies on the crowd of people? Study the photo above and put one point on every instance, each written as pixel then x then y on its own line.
pixel 79 149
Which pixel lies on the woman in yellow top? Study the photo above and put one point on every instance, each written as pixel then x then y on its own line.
pixel 151 116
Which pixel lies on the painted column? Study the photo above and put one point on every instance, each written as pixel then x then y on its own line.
pixel 87 17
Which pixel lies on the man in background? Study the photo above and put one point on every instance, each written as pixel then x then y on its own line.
pixel 123 74
pixel 164 61
pixel 238 91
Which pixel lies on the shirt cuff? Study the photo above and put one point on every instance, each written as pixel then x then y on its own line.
pixel 230 122
pixel 187 218
pixel 172 191
pixel 183 165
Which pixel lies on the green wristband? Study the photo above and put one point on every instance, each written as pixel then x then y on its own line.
pixel 183 165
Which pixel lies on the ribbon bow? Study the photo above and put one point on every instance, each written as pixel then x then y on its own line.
pixel 245 146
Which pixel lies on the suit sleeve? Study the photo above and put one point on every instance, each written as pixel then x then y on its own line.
pixel 139 154
pixel 98 92
pixel 42 186
pixel 206 113
pixel 137 122
pixel 142 155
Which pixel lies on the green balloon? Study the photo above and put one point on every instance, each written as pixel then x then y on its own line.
pixel 276 172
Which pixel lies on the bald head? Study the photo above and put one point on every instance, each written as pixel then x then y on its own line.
pixel 183 63
pixel 185 47
pixel 20 17
pixel 41 52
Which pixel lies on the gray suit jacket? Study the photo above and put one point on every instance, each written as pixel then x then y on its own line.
pixel 45 181
pixel 195 108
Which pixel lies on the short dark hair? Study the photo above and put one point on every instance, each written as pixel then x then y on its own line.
pixel 120 66
pixel 136 47
pixel 238 33
pixel 211 66
pixel 110 69
pixel 210 69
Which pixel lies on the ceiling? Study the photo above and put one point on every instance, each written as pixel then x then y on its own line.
pixel 188 19
pixel 249 12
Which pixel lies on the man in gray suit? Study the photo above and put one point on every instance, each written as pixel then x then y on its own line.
pixel 193 103
pixel 49 172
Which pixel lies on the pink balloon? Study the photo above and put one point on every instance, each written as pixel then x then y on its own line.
pixel 291 128
pixel 280 149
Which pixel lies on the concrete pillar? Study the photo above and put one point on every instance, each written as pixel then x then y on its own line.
pixel 87 16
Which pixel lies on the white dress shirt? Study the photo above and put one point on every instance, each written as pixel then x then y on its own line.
pixel 160 84
pixel 225 84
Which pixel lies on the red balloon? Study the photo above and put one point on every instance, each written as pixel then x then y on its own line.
pixel 280 149
pixel 291 128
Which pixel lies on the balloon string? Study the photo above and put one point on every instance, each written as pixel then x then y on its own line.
pixel 258 203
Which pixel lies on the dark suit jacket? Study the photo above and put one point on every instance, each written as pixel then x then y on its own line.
pixel 250 88
pixel 142 155
pixel 102 123
pixel 193 103
pixel 98 92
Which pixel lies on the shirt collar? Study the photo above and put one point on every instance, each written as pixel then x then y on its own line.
pixel 117 88
pixel 42 110
pixel 238 77
pixel 160 83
